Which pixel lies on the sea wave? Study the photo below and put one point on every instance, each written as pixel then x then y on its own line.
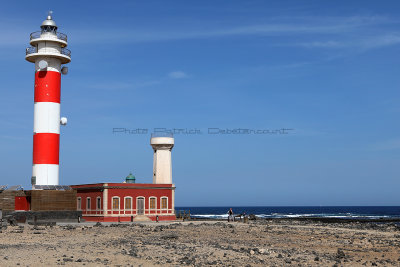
pixel 310 215
pixel 211 216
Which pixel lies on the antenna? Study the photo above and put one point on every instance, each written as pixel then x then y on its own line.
pixel 49 14
pixel 64 70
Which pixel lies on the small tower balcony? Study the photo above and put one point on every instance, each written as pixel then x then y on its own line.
pixel 47 36
pixel 32 53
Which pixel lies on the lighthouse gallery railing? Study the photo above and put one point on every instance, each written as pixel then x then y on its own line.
pixel 33 50
pixel 58 35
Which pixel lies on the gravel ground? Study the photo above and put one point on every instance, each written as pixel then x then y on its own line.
pixel 258 243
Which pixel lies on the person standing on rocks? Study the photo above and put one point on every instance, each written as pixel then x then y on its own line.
pixel 230 215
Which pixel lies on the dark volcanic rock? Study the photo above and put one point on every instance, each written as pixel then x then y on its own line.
pixel 69 227
pixel 170 236
pixel 187 260
pixel 340 254
pixel 253 217
pixel 134 252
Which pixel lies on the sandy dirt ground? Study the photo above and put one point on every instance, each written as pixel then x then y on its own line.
pixel 258 243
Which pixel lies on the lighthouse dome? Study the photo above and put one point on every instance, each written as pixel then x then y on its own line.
pixel 49 23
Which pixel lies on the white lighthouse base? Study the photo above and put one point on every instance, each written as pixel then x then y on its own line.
pixel 46 174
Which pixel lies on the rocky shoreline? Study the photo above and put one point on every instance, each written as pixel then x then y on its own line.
pixel 278 242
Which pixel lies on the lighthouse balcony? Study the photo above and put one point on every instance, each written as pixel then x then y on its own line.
pixel 63 54
pixel 57 37
pixel 162 138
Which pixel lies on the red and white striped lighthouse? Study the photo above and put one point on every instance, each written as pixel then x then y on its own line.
pixel 48 52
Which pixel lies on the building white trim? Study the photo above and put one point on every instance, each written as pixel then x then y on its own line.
pixel 105 199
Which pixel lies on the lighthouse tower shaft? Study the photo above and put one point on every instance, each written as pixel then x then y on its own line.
pixel 162 164
pixel 48 52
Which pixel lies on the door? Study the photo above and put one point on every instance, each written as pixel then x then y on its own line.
pixel 140 205
pixel 21 203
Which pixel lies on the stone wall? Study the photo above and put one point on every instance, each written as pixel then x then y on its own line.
pixel 47 216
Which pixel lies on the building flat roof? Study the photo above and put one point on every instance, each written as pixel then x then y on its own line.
pixel 122 185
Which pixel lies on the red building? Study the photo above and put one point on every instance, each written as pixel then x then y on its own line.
pixel 113 202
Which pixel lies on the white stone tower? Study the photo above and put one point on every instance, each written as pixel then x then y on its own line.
pixel 162 164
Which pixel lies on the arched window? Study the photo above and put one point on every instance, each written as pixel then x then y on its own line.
pixel 88 203
pixel 153 203
pixel 98 203
pixel 128 203
pixel 164 203
pixel 115 203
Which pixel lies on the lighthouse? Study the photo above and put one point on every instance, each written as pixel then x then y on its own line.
pixel 48 51
pixel 162 164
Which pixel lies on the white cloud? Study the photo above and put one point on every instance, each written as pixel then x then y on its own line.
pixel 363 43
pixel 326 44
pixel 177 75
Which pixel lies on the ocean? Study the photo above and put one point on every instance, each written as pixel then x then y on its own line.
pixel 350 212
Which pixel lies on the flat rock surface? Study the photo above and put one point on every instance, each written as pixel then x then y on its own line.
pixel 258 243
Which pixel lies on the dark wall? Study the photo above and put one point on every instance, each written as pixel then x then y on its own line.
pixel 54 216
pixel 52 200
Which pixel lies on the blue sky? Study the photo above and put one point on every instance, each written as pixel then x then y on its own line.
pixel 328 70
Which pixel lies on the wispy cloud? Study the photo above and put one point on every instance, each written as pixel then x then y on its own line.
pixel 302 26
pixel 391 144
pixel 316 44
pixel 177 75
pixel 381 41
pixel 364 32
pixel 363 43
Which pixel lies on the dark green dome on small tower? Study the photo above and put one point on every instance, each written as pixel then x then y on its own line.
pixel 130 179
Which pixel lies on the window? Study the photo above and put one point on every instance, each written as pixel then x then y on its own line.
pixel 79 203
pixel 152 203
pixel 115 203
pixel 98 203
pixel 128 203
pixel 88 203
pixel 164 203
